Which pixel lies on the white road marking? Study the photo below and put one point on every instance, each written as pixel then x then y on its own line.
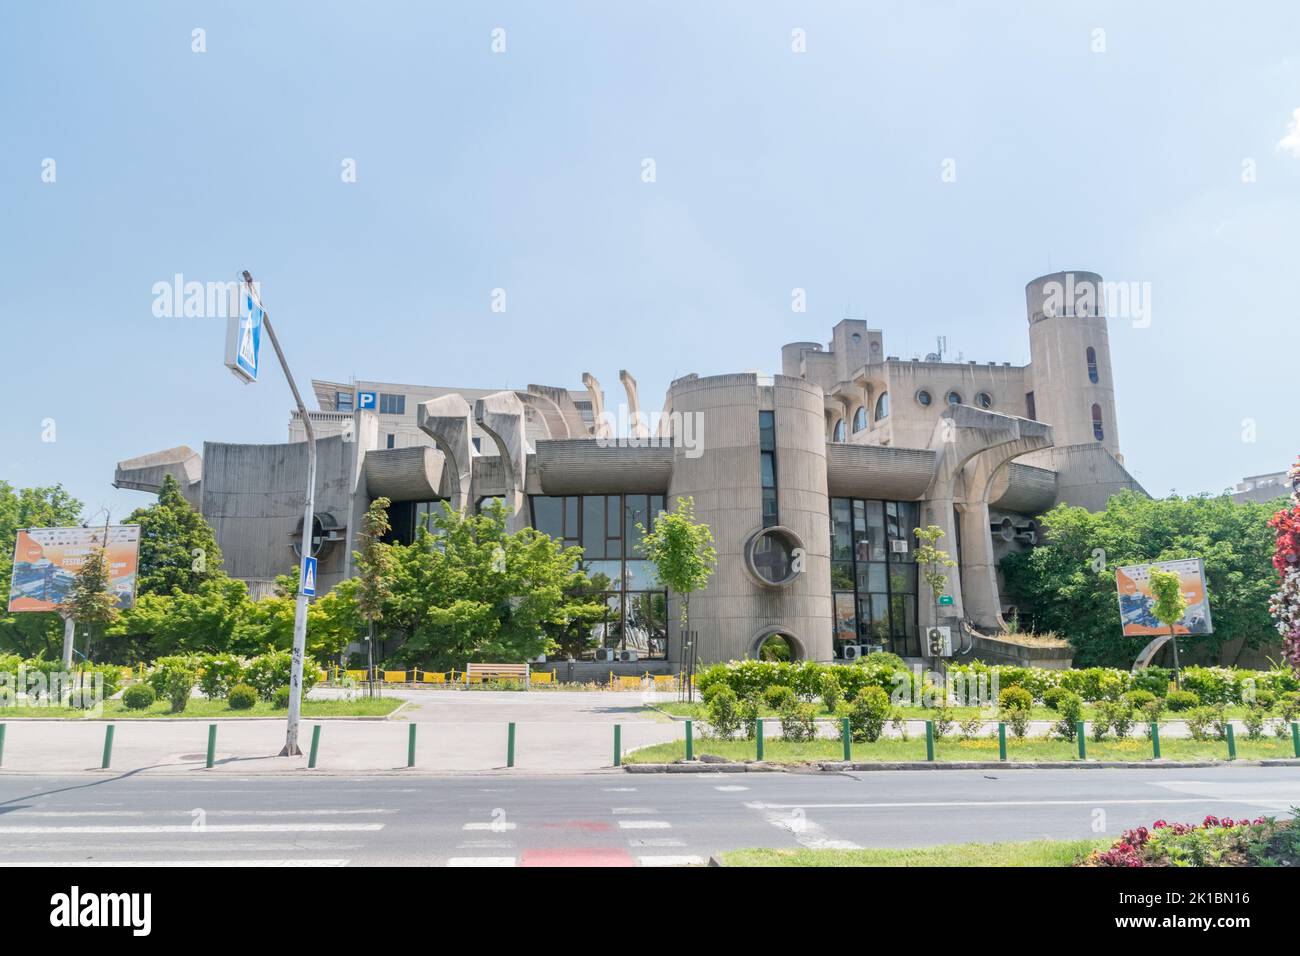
pixel 805 832
pixel 644 825
pixel 619 789
pixel 151 863
pixel 490 825
pixel 481 861
pixel 989 803
pixel 209 828
pixel 188 813
pixel 633 810
pixel 671 860
pixel 734 788
pixel 1275 794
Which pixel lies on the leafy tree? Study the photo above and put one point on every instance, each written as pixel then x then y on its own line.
pixel 178 550
pixel 470 591
pixel 210 620
pixel 1067 584
pixel 89 603
pixel 31 634
pixel 1170 606
pixel 681 550
pixel 932 561
pixel 374 587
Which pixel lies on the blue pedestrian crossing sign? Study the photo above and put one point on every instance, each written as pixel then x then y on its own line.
pixel 244 338
pixel 309 577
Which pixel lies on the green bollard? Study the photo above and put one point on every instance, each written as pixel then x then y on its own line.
pixel 212 744
pixel 618 744
pixel 315 746
pixel 758 736
pixel 690 741
pixel 929 740
pixel 1232 742
pixel 410 747
pixel 108 747
pixel 1002 740
pixel 1083 740
pixel 510 745
pixel 2 744
pixel 1155 740
pixel 1295 737
pixel 848 739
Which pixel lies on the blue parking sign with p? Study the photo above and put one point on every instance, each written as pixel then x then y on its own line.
pixel 367 400
pixel 309 577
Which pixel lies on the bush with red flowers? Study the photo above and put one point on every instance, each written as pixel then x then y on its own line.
pixel 1285 605
pixel 1213 842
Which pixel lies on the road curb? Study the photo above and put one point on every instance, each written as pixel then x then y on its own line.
pixel 840 766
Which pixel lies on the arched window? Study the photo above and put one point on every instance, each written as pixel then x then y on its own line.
pixel 1092 364
pixel 838 433
pixel 1098 432
pixel 882 407
pixel 859 419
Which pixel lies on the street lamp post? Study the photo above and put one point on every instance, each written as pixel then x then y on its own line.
pixel 291 748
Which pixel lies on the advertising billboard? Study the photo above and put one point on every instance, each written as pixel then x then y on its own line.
pixel 46 562
pixel 1136 601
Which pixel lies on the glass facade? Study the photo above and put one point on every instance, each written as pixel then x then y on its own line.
pixel 767 467
pixel 604 526
pixel 873 574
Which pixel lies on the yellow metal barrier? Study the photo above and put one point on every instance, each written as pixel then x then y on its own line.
pixel 665 682
pixel 394 677
pixel 543 677
pixel 357 675
pixel 424 677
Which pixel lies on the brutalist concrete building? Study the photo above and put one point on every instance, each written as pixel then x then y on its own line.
pixel 811 479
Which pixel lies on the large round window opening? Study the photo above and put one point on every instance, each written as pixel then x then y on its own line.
pixel 774 556
pixel 923 398
pixel 984 400
pixel 777 647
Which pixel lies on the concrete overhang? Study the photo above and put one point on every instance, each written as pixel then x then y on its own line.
pixel 146 472
pixel 581 466
pixel 1024 489
pixel 878 471
pixel 404 474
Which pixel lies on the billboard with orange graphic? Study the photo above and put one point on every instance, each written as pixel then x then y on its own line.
pixel 46 562
pixel 1136 601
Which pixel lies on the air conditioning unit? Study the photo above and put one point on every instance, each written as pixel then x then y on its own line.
pixel 605 654
pixel 938 642
pixel 898 546
pixel 627 656
pixel 852 651
pixel 874 648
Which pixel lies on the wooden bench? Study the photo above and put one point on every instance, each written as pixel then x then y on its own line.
pixel 478 673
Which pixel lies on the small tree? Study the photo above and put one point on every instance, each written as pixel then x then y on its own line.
pixel 681 550
pixel 932 562
pixel 375 568
pixel 89 602
pixel 1170 606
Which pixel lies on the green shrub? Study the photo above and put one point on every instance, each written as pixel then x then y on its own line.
pixel 1117 715
pixel 1015 698
pixel 281 697
pixel 219 673
pixel 1201 722
pixel 1254 722
pixel 272 669
pixel 868 712
pixel 1152 712
pixel 1213 685
pixel 970 727
pixel 1182 700
pixel 831 692
pixel 1070 707
pixel 798 721
pixel 723 711
pixel 942 721
pixel 138 697
pixel 1140 699
pixel 1153 679
pixel 779 696
pixel 1288 705
pixel 242 697
pixel 1052 696
pixel 172 678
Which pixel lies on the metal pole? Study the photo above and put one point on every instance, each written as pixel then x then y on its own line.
pixel 618 745
pixel 510 745
pixel 108 747
pixel 1295 737
pixel 846 733
pixel 758 736
pixel 1155 740
pixel 410 747
pixel 1232 743
pixel 1083 740
pixel 1002 740
pixel 69 634
pixel 690 740
pixel 929 740
pixel 212 744
pixel 2 745
pixel 291 748
pixel 315 746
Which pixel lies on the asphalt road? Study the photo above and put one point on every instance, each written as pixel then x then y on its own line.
pixel 608 818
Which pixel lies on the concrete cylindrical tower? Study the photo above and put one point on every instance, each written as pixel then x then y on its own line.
pixel 739 607
pixel 1069 349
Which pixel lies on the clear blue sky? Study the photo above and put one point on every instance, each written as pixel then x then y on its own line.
pixel 522 170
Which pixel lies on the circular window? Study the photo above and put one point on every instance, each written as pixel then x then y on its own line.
pixel 773 556
pixel 984 400
pixel 923 398
pixel 954 398
pixel 856 338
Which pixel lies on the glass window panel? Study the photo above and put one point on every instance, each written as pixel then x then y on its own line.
pixel 647 624
pixel 767 463
pixel 548 515
pixel 656 506
pixel 609 632
pixel 593 526
pixel 773 557
pixel 635 510
pixel 571 517
pixel 846 625
pixel 639 576
pixel 859 517
pixel 842 575
pixel 841 529
pixel 605 575
pixel 769 507
pixel 902 578
pixel 875 548
pixel 767 430
pixel 872 577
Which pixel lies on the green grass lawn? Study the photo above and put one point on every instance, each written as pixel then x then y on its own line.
pixel 202 707
pixel 698 711
pixel 776 750
pixel 1031 853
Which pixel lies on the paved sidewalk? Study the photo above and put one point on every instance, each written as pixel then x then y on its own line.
pixel 456 731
